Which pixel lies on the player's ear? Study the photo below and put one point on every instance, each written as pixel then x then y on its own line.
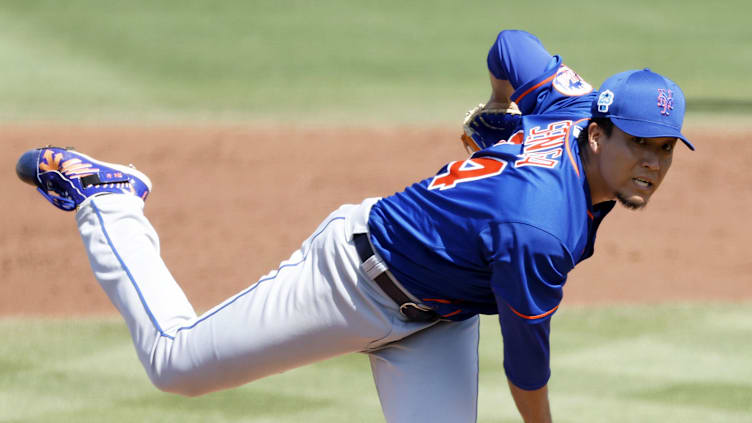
pixel 595 135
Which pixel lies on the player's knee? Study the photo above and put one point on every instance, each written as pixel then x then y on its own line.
pixel 178 384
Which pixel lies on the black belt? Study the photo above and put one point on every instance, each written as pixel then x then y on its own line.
pixel 409 308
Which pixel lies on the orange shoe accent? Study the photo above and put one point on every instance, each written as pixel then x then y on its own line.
pixel 52 163
pixel 76 168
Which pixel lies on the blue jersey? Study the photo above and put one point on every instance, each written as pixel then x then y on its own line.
pixel 499 232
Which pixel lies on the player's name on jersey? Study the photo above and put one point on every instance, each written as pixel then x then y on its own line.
pixel 542 147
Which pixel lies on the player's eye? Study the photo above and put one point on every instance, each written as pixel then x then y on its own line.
pixel 639 141
pixel 668 146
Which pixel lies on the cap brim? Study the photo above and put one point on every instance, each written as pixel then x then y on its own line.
pixel 649 130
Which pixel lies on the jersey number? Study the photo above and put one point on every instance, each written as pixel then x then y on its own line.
pixel 468 170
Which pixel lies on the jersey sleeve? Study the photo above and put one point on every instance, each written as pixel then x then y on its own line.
pixel 526 350
pixel 542 82
pixel 518 57
pixel 529 269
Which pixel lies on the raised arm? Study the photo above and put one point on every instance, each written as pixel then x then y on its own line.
pixel 501 93
pixel 515 58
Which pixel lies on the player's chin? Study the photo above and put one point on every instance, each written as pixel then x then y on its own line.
pixel 632 201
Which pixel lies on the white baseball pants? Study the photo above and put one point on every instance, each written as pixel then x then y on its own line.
pixel 316 305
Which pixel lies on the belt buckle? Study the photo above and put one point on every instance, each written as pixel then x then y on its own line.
pixel 429 317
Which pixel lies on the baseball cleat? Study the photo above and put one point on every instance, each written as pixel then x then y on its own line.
pixel 66 177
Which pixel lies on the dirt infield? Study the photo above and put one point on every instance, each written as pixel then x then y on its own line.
pixel 229 203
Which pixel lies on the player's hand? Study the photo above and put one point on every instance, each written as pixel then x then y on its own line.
pixel 486 124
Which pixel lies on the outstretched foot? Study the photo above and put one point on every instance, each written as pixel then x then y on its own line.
pixel 66 177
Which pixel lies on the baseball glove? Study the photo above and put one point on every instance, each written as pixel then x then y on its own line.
pixel 484 127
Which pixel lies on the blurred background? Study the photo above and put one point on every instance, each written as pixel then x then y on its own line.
pixel 256 118
pixel 340 60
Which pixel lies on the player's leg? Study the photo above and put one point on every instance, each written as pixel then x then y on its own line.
pixel 308 310
pixel 431 375
pixel 311 308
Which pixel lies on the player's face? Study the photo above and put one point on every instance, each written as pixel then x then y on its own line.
pixel 632 168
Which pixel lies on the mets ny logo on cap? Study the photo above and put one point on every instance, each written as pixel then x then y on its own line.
pixel 665 101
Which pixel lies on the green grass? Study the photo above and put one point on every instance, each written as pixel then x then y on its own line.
pixel 340 60
pixel 686 363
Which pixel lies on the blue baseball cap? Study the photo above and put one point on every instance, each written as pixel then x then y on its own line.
pixel 643 104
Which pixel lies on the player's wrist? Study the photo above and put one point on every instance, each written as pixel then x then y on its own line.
pixel 501 91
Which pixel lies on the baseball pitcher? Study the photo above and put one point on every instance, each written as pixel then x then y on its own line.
pixel 403 278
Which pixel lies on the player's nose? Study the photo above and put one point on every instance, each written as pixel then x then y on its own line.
pixel 651 160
